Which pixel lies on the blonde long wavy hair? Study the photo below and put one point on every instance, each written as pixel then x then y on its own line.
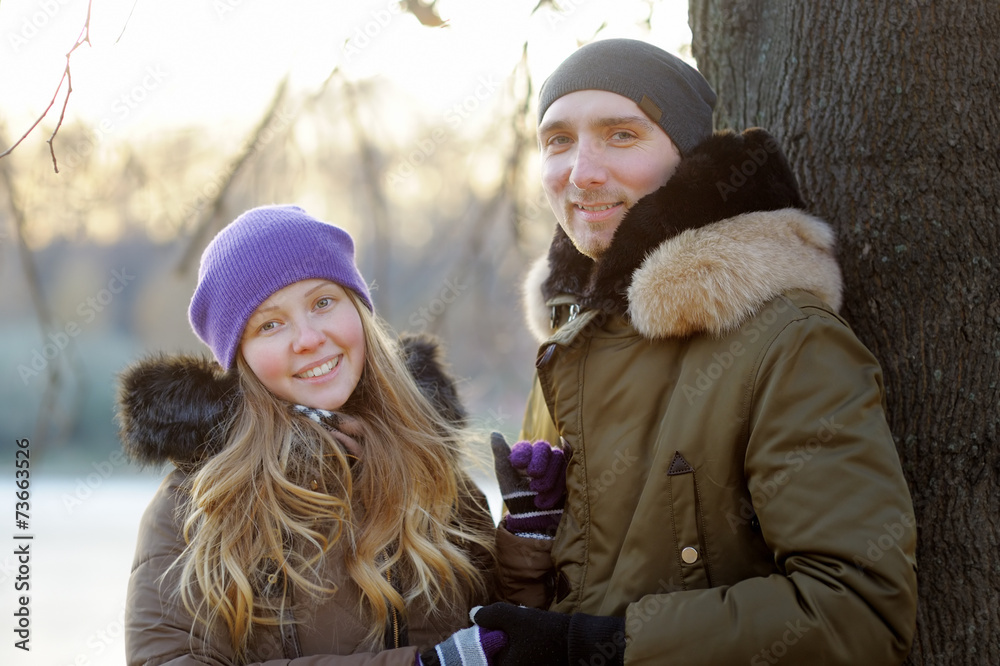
pixel 262 513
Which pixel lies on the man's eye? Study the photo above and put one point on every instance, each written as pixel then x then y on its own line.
pixel 624 135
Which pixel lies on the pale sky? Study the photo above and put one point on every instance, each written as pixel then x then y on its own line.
pixel 217 62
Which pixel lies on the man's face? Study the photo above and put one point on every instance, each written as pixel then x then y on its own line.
pixel 600 154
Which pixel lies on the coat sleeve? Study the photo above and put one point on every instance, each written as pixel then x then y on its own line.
pixel 828 491
pixel 158 629
pixel 524 569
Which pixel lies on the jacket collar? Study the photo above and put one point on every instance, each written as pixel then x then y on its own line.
pixel 176 408
pixel 701 254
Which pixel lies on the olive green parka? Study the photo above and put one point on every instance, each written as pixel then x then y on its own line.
pixel 733 487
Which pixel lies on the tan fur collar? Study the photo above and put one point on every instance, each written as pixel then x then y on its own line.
pixel 712 279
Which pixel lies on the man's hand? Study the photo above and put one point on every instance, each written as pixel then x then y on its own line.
pixel 554 639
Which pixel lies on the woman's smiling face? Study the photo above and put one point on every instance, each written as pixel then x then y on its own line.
pixel 306 344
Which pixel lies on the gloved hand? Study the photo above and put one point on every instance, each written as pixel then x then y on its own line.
pixel 474 646
pixel 554 639
pixel 532 479
pixel 546 467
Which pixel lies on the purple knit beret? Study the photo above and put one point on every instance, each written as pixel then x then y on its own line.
pixel 263 250
pixel 671 92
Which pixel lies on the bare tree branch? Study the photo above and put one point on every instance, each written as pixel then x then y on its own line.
pixel 251 146
pixel 506 197
pixel 82 38
pixel 378 207
pixel 42 313
pixel 425 12
pixel 131 11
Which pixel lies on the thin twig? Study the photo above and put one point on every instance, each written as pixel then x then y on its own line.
pixel 378 207
pixel 132 11
pixel 196 242
pixel 42 313
pixel 81 39
pixel 506 194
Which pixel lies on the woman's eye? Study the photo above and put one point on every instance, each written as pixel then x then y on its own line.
pixel 268 326
pixel 324 302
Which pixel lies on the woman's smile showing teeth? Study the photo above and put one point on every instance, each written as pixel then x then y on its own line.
pixel 319 371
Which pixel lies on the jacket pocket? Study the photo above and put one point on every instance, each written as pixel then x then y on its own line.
pixel 686 520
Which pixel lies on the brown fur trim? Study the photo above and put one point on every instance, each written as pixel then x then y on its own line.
pixel 536 313
pixel 726 175
pixel 712 279
pixel 176 408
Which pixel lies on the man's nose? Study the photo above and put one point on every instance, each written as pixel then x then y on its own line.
pixel 589 170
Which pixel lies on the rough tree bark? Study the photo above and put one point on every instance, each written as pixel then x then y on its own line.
pixel 890 115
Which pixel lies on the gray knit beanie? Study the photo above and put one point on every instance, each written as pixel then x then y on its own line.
pixel 672 93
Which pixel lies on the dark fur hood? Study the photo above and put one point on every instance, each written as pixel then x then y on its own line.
pixel 174 408
pixel 720 238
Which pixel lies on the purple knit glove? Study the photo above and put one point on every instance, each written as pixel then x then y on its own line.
pixel 545 465
pixel 532 479
pixel 473 646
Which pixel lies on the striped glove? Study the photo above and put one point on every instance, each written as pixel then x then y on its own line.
pixel 532 479
pixel 473 646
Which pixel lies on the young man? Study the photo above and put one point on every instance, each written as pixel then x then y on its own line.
pixel 733 491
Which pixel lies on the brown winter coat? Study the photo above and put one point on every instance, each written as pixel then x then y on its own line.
pixel 733 488
pixel 167 408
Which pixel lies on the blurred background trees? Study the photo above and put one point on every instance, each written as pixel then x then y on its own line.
pixel 888 113
pixel 442 198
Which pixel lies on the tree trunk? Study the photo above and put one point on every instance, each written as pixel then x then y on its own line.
pixel 890 115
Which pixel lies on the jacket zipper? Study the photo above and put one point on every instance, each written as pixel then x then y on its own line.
pixel 392 609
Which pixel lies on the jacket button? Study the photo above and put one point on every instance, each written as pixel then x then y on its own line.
pixel 689 555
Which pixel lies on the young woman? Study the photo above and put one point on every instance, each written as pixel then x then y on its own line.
pixel 318 509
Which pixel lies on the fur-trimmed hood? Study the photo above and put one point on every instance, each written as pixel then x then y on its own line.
pixel 174 408
pixel 701 254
